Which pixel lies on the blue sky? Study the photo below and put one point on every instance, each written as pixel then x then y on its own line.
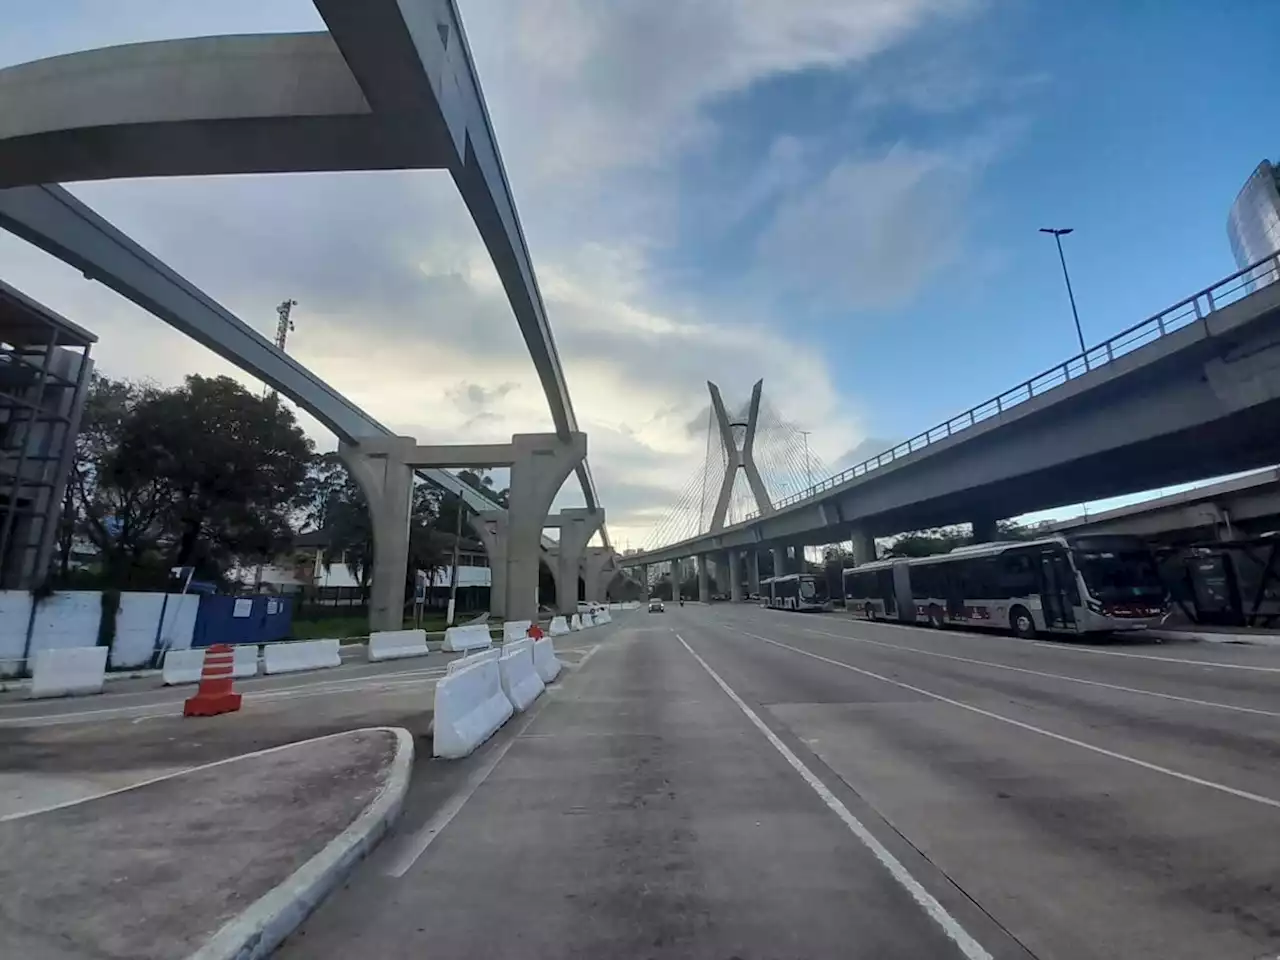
pixel 841 196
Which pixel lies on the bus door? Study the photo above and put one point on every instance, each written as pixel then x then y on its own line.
pixel 1055 590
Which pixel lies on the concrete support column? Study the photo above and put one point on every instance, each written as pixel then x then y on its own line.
pixel 753 571
pixel 984 530
pixel 491 529
pixel 597 572
pixel 779 560
pixel 387 483
pixel 675 580
pixel 864 546
pixel 644 580
pixel 735 578
pixel 577 527
pixel 704 580
pixel 540 462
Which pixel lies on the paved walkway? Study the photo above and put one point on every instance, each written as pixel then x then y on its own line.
pixel 151 873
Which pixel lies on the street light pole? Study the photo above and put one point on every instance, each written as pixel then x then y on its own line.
pixel 1058 234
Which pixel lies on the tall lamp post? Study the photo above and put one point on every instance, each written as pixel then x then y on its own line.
pixel 1058 234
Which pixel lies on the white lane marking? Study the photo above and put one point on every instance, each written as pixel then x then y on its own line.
pixel 936 911
pixel 1052 676
pixel 587 656
pixel 1176 774
pixel 416 844
pixel 198 767
pixel 1074 648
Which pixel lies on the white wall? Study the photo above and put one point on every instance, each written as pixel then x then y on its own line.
pixel 137 622
pixel 70 619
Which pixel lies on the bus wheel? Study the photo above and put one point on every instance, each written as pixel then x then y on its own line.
pixel 870 611
pixel 1021 623
pixel 935 618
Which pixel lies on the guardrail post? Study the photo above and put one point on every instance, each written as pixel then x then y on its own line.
pixel 1110 356
pixel 1208 295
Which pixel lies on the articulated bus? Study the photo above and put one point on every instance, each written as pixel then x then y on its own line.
pixel 1056 584
pixel 797 591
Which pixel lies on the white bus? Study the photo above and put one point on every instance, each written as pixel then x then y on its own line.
pixel 796 591
pixel 1055 584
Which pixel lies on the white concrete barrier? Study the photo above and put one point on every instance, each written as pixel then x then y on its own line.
pixel 545 660
pixel 301 655
pixel 559 627
pixel 588 620
pixel 184 666
pixel 471 659
pixel 396 644
pixel 471 636
pixel 515 630
pixel 70 670
pixel 603 616
pixel 520 681
pixel 575 622
pixel 470 707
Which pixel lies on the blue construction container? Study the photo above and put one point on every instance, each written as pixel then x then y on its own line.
pixel 230 619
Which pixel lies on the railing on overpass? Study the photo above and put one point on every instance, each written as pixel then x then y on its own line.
pixel 1181 314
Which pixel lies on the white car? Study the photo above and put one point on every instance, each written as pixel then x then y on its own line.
pixel 655 606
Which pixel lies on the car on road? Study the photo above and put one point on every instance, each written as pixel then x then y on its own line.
pixel 655 606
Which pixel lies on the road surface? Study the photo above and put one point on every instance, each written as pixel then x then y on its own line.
pixel 733 782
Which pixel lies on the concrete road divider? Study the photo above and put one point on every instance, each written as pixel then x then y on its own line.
pixel 471 659
pixel 515 630
pixel 575 622
pixel 545 660
pixel 303 655
pixel 470 707
pixel 558 627
pixel 184 666
pixel 69 671
pixel 603 616
pixel 520 681
pixel 471 636
pixel 397 644
pixel 588 620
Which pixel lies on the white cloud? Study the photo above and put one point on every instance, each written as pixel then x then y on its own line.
pixel 399 306
pixel 875 229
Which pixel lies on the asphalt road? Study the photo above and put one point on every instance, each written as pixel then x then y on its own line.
pixel 732 782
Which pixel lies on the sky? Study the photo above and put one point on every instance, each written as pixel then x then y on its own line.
pixel 840 196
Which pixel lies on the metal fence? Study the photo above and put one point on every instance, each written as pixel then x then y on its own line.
pixel 1183 313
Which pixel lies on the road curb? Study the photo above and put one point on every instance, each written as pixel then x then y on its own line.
pixel 262 927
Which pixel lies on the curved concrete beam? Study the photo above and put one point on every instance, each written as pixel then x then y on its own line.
pixel 206 105
pixel 391 86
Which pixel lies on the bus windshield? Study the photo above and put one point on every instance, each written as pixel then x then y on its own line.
pixel 1115 575
pixel 807 590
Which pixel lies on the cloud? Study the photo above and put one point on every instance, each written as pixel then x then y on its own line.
pixel 874 230
pixel 399 306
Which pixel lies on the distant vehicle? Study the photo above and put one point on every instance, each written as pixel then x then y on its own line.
pixel 1056 584
pixel 796 591
pixel 655 606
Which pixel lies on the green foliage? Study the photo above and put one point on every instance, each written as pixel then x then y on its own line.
pixel 203 474
pixel 927 543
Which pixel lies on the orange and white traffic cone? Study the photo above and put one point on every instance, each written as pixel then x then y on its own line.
pixel 215 695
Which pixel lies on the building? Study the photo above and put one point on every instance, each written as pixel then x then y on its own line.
pixel 1253 225
pixel 44 378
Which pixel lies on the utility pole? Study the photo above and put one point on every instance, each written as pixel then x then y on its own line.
pixel 453 580
pixel 1058 234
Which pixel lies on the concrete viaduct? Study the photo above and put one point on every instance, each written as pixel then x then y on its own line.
pixel 389 85
pixel 1192 392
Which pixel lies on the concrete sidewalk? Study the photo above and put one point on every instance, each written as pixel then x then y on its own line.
pixel 155 871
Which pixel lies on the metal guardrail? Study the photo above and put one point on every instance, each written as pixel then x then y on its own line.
pixel 1183 313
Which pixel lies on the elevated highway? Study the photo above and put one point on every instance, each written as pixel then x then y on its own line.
pixel 1189 393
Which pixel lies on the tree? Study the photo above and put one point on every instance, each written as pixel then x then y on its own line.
pixel 109 502
pixel 927 543
pixel 233 465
